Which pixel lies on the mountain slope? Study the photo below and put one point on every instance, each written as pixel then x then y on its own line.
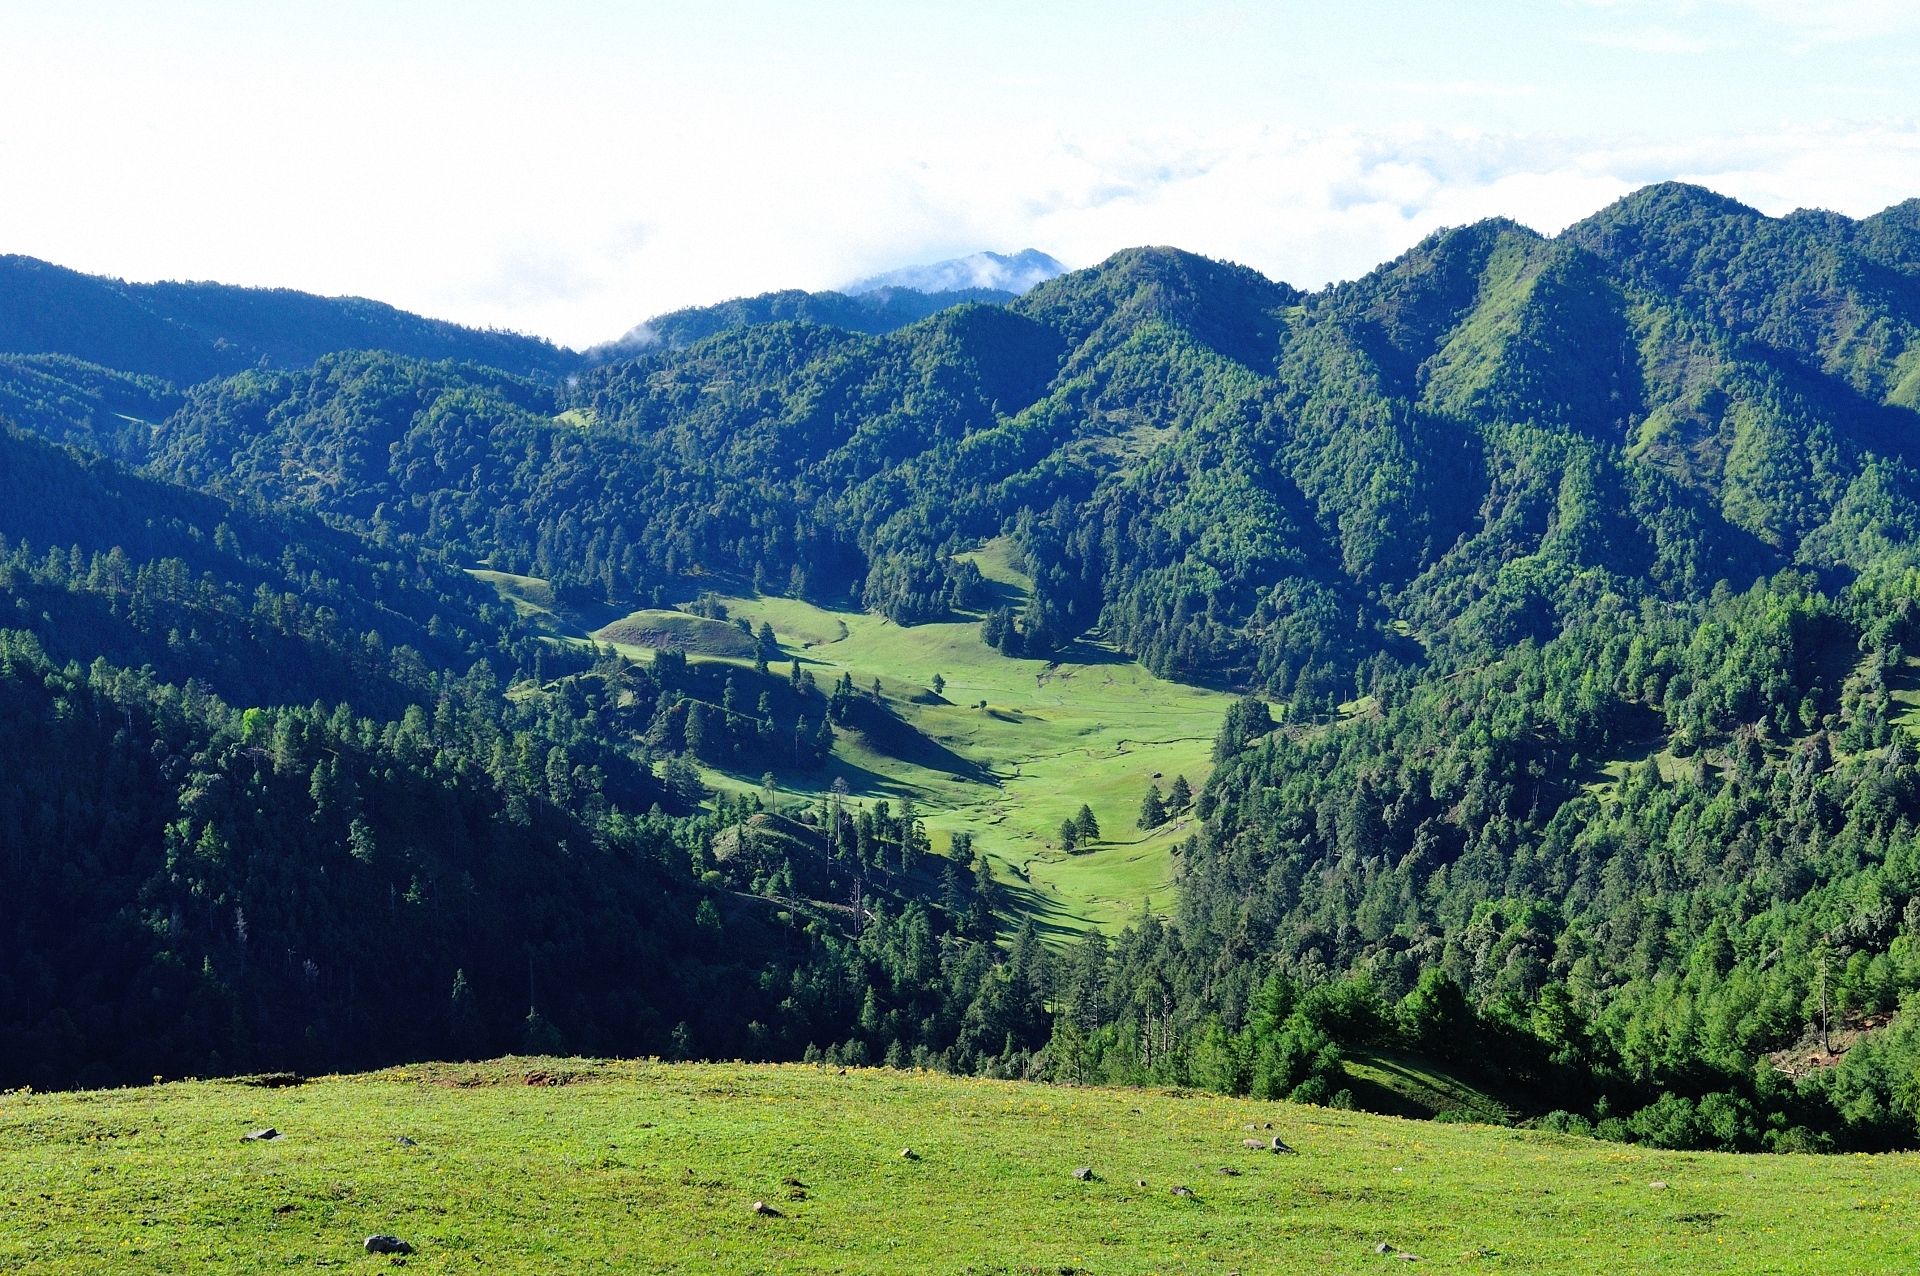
pixel 1013 273
pixel 188 332
pixel 1571 584
pixel 873 311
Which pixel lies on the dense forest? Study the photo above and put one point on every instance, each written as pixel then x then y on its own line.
pixel 1570 584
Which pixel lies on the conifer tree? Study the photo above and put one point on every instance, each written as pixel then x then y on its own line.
pixel 1153 810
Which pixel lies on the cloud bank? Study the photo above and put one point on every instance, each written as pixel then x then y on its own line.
pixel 572 177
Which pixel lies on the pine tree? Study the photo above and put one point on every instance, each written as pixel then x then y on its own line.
pixel 1069 835
pixel 1180 796
pixel 1088 826
pixel 463 1017
pixel 1153 811
pixel 697 729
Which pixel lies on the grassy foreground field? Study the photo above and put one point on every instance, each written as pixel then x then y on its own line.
pixel 563 1165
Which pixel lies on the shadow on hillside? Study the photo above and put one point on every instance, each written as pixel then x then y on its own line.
pixel 897 738
pixel 1052 920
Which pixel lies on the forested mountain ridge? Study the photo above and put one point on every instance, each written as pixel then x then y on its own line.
pixel 1232 479
pixel 876 311
pixel 1572 580
pixel 188 332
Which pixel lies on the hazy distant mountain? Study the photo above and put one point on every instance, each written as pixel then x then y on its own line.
pixel 873 312
pixel 1014 274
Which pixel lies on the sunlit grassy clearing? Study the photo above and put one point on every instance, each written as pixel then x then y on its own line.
pixel 1095 729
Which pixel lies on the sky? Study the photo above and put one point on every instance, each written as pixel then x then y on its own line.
pixel 571 168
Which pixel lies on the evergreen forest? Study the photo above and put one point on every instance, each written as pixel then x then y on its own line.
pixel 1568 587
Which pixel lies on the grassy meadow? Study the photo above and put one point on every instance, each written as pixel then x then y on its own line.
pixel 1095 727
pixel 566 1165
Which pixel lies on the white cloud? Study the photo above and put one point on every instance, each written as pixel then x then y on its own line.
pixel 576 190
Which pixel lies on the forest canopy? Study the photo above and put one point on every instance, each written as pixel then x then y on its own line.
pixel 1569 584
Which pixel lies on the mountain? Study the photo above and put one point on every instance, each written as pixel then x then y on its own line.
pixel 1569 585
pixel 873 306
pixel 1017 273
pixel 188 332
pixel 874 312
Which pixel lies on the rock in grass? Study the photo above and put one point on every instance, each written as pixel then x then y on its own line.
pixel 385 1244
pixel 1179 1190
pixel 1084 1174
pixel 405 1142
pixel 908 1154
pixel 1256 1145
pixel 267 1135
pixel 1279 1145
pixel 761 1207
pixel 1383 1248
pixel 1229 1171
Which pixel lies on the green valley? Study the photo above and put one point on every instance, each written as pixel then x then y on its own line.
pixel 1519 637
pixel 1005 752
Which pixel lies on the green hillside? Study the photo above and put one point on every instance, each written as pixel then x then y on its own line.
pixel 188 332
pixel 1535 615
pixel 526 1165
pixel 878 311
pixel 1090 728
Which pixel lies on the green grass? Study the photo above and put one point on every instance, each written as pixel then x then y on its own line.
pixel 656 629
pixel 652 1168
pixel 533 600
pixel 1093 728
pixel 1406 1085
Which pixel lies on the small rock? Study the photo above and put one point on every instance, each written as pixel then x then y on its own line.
pixel 1182 1191
pixel 406 1142
pixel 1139 1182
pixel 1255 1145
pixel 1411 1258
pixel 761 1207
pixel 908 1154
pixel 1249 1126
pixel 1657 1183
pixel 1084 1174
pixel 384 1244
pixel 1229 1171
pixel 267 1135
pixel 1383 1248
pixel 791 1181
pixel 1279 1144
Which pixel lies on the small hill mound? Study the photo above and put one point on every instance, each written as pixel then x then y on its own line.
pixel 660 629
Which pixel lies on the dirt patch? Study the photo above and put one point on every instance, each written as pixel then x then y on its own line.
pixel 508 1071
pixel 1805 1056
pixel 271 1080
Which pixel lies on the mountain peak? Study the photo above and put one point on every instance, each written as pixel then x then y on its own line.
pixel 1014 273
